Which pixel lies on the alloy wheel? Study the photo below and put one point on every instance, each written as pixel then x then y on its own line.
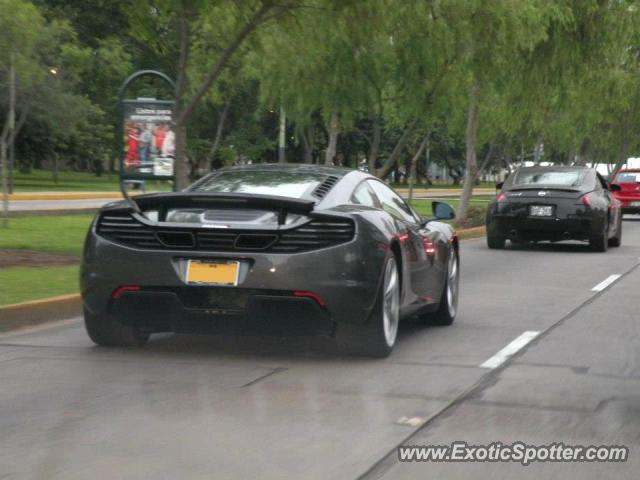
pixel 452 284
pixel 391 302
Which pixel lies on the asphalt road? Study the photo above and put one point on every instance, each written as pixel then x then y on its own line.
pixel 202 408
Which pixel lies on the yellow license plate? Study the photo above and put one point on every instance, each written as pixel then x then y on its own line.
pixel 213 273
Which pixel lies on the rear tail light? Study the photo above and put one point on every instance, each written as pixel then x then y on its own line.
pixel 313 296
pixel 587 200
pixel 429 247
pixel 502 198
pixel 118 292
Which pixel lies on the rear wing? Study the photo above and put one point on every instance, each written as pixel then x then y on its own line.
pixel 162 202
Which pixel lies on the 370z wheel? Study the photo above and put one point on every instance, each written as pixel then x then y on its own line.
pixel 377 337
pixel 495 239
pixel 448 307
pixel 600 242
pixel 616 240
pixel 107 331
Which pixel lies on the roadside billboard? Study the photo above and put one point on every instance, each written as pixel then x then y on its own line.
pixel 149 140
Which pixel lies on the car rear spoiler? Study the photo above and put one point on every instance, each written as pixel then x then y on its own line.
pixel 165 201
pixel 545 187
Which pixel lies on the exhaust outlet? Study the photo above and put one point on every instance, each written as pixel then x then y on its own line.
pixel 513 233
pixel 566 236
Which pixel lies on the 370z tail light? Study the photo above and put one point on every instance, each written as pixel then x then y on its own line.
pixel 313 296
pixel 429 247
pixel 587 200
pixel 502 198
pixel 121 290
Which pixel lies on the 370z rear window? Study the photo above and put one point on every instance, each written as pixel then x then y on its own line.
pixel 570 178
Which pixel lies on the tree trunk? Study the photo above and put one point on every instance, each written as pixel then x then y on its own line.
pixel 182 167
pixel 414 163
pixel 471 170
pixel 218 138
pixel 397 150
pixel 375 144
pixel 334 127
pixel 623 156
pixel 5 183
pixel 427 162
pixel 485 162
pixel 583 152
pixel 180 126
pixel 538 150
pixel 282 136
pixel 307 142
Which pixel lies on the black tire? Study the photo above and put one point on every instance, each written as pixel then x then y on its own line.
pixel 495 240
pixel 448 306
pixel 601 242
pixel 616 240
pixel 371 339
pixel 106 331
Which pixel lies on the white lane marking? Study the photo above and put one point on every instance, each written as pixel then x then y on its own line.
pixel 500 357
pixel 604 284
pixel 411 421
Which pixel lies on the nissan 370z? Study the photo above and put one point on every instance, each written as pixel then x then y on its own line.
pixel 270 249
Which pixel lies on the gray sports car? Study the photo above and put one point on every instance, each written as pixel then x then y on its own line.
pixel 269 249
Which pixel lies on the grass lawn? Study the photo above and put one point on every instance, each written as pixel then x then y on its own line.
pixel 21 284
pixel 42 181
pixel 55 233
pixel 423 206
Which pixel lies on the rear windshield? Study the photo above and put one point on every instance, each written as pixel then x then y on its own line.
pixel 628 177
pixel 565 178
pixel 281 184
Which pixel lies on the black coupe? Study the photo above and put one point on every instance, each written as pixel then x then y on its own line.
pixel 555 203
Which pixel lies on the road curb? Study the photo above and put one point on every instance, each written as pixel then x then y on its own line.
pixel 65 196
pixel 474 232
pixel 26 314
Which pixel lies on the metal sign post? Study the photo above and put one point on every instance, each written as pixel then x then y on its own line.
pixel 146 136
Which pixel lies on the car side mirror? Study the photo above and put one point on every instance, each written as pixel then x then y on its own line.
pixel 443 211
pixel 499 185
pixel 614 187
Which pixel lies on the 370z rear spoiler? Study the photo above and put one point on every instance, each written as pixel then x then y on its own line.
pixel 164 201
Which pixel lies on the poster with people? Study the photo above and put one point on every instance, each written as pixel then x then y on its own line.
pixel 149 139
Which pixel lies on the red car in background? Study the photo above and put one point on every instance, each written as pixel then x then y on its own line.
pixel 629 193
